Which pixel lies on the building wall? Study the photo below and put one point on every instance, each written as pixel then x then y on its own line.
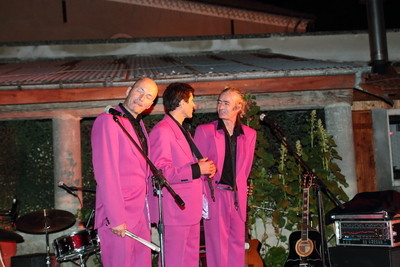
pixel 39 20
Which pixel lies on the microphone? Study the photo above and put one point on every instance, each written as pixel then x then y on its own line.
pixel 114 112
pixel 265 119
pixel 66 188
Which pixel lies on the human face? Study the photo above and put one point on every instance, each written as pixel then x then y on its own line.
pixel 141 96
pixel 227 106
pixel 188 107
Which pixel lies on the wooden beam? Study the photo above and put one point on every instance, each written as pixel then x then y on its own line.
pixel 364 148
pixel 264 85
pixel 204 104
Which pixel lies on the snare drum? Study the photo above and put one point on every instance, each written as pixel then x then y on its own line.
pixel 79 243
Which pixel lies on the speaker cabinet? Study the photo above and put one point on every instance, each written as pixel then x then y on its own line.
pixel 352 256
pixel 33 260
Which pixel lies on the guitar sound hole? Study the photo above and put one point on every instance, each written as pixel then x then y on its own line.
pixel 304 247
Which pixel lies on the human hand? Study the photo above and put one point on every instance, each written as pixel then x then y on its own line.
pixel 119 230
pixel 207 167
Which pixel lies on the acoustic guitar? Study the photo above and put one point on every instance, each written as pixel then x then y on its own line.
pixel 253 246
pixel 304 245
pixel 252 256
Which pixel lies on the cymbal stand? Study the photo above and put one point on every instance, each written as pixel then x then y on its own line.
pixel 82 261
pixel 46 229
pixel 83 257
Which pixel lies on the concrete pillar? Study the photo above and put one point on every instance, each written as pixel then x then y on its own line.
pixel 67 161
pixel 338 119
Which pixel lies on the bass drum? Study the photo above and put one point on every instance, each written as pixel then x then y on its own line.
pixel 75 245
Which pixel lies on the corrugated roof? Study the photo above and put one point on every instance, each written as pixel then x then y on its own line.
pixel 108 72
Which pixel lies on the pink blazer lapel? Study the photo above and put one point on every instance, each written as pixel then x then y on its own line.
pixel 180 138
pixel 220 148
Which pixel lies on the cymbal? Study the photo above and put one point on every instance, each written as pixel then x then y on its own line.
pixel 10 236
pixel 35 222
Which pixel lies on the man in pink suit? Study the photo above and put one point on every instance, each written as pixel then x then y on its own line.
pixel 121 174
pixel 173 155
pixel 231 146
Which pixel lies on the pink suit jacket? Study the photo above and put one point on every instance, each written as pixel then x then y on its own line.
pixel 172 155
pixel 121 173
pixel 211 143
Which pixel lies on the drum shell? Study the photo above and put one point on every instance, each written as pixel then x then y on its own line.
pixel 76 244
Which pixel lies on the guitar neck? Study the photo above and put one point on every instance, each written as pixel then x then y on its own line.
pixel 305 216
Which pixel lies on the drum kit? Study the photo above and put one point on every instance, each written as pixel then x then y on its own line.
pixel 9 236
pixel 78 245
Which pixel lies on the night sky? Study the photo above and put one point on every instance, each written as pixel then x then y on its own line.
pixel 341 15
pixel 334 15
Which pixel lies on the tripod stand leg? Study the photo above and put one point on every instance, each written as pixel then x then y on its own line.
pixel 82 261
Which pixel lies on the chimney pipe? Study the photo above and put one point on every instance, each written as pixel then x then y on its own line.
pixel 377 37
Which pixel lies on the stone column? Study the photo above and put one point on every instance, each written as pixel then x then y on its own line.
pixel 67 168
pixel 338 119
pixel 67 161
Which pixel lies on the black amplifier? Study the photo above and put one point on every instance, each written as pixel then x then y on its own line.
pixel 379 233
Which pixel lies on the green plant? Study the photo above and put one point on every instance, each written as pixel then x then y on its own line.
pixel 277 179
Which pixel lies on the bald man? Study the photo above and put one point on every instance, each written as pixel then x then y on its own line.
pixel 122 174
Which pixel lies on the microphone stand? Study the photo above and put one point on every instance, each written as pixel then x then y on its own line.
pixel 91 216
pixel 160 181
pixel 69 189
pixel 319 185
pixel 83 189
pixel 161 230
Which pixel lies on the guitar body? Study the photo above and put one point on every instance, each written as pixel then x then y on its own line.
pixel 252 256
pixel 313 259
